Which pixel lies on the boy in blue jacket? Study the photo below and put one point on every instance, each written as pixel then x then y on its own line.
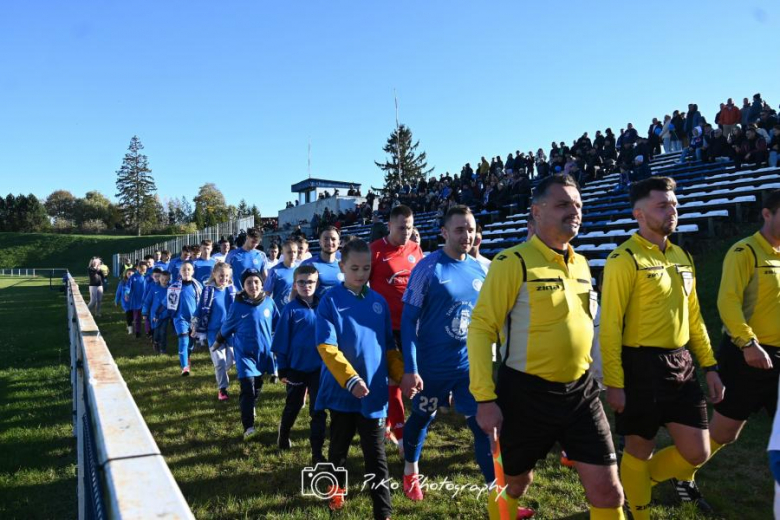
pixel 279 283
pixel 298 361
pixel 182 300
pixel 123 297
pixel 159 314
pixel 137 288
pixel 355 341
pixel 152 284
pixel 250 322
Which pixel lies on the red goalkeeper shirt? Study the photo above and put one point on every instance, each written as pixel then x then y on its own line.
pixel 390 269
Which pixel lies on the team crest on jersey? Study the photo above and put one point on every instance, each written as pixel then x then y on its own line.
pixel 377 307
pixel 411 259
pixel 458 327
pixel 340 277
pixel 477 284
pixel 255 261
pixel 267 313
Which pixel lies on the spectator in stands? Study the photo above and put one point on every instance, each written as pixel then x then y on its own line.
pixel 654 135
pixel 767 121
pixel 630 135
pixel 692 119
pixel 755 109
pixel 667 131
pixel 678 123
pixel 694 148
pixel 753 149
pixel 717 147
pixel 745 112
pixel 774 147
pixel 542 167
pixel 730 116
pixel 378 229
pixel 509 165
pixel 484 167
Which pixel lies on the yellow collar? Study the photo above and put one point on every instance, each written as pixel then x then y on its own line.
pixel 548 253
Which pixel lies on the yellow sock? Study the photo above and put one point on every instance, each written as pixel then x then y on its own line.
pixel 493 511
pixel 668 463
pixel 606 513
pixel 691 475
pixel 635 475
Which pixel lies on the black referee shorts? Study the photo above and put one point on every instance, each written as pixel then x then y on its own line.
pixel 661 388
pixel 748 389
pixel 538 413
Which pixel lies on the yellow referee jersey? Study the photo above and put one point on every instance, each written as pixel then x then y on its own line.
pixel 649 300
pixel 542 307
pixel 749 295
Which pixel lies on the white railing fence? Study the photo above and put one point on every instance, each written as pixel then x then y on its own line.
pixel 121 472
pixel 213 233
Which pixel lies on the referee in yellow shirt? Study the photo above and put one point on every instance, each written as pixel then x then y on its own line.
pixel 749 306
pixel 649 314
pixel 538 297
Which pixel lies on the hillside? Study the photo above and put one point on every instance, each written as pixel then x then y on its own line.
pixel 70 251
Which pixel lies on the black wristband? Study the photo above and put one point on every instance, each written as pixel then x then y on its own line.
pixel 711 368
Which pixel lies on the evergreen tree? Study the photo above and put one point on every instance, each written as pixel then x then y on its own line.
pixel 135 186
pixel 405 164
pixel 243 209
pixel 254 212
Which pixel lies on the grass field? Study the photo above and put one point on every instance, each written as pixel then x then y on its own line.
pixel 224 477
pixel 70 251
pixel 37 450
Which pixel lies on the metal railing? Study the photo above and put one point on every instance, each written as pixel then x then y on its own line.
pixel 52 273
pixel 121 472
pixel 174 245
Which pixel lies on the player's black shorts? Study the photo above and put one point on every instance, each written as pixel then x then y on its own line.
pixel 661 388
pixel 748 389
pixel 538 413
pixel 397 338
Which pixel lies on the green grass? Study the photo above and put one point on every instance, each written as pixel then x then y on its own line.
pixel 37 461
pixel 70 251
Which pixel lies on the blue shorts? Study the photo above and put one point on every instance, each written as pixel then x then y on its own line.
pixel 436 393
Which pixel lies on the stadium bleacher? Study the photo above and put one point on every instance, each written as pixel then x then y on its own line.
pixel 709 195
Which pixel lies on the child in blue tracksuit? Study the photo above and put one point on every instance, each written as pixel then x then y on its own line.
pixel 279 283
pixel 123 297
pixel 137 288
pixel 182 300
pixel 355 340
pixel 250 322
pixel 298 361
pixel 159 315
pixel 152 285
pixel 218 295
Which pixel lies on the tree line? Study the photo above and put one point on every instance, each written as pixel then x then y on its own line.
pixel 138 210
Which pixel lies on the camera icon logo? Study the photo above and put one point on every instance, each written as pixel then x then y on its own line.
pixel 322 481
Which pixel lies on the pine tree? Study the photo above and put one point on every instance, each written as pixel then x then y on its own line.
pixel 135 186
pixel 404 164
pixel 254 212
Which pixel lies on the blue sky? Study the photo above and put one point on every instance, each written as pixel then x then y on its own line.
pixel 231 92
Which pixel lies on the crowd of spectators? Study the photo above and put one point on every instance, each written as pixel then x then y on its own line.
pixel 747 135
